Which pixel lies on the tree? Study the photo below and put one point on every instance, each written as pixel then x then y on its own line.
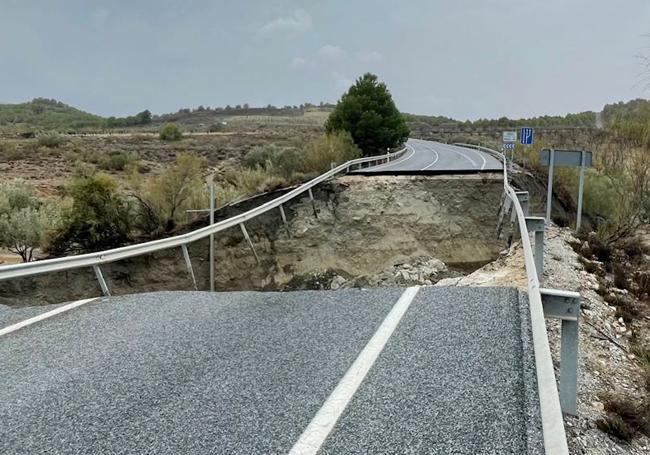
pixel 24 219
pixel 98 217
pixel 368 113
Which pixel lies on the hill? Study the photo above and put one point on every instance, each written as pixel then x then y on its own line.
pixel 46 114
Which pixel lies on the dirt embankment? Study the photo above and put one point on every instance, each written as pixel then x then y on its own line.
pixel 364 226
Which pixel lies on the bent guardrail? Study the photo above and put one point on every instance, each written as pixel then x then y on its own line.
pixel 564 305
pixel 96 259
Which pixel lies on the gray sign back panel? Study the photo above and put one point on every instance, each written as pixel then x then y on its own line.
pixel 565 158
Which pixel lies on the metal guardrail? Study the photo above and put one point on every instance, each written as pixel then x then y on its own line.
pixel 94 260
pixel 564 305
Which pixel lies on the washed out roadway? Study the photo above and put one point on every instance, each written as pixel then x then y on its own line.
pixel 245 373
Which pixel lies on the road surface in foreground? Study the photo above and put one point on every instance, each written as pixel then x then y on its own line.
pixel 434 370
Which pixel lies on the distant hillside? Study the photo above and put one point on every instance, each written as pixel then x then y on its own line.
pixel 635 110
pixel 580 120
pixel 206 115
pixel 46 114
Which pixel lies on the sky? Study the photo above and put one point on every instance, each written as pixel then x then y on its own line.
pixel 465 59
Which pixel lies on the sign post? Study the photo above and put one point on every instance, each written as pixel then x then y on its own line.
pixel 549 193
pixel 569 158
pixel 211 186
pixel 509 139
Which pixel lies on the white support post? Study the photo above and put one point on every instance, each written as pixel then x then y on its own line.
pixel 536 225
pixel 284 220
pixel 565 305
pixel 212 195
pixel 313 204
pixel 250 242
pixel 549 193
pixel 581 187
pixel 188 265
pixel 102 281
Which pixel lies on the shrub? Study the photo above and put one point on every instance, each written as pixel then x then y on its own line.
pixel 617 427
pixel 248 182
pixel 9 152
pixel 170 132
pixel 98 217
pixel 335 147
pixel 50 141
pixel 636 415
pixel 165 197
pixel 116 161
pixel 24 219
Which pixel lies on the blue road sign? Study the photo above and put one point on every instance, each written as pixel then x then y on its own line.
pixel 526 136
pixel 508 146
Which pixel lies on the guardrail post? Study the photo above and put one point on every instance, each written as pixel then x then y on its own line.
pixel 188 264
pixel 248 239
pixel 537 225
pixel 507 206
pixel 102 281
pixel 313 204
pixel 523 200
pixel 565 305
pixel 284 220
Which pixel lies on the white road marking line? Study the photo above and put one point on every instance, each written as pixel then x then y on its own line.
pixel 480 154
pixel 40 317
pixel 433 162
pixel 451 148
pixel 321 425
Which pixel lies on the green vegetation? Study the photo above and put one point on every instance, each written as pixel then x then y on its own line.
pixel 368 113
pixel 626 418
pixel 170 132
pixel 24 219
pixel 98 218
pixel 164 198
pixel 45 114
pixel 316 158
pixel 140 119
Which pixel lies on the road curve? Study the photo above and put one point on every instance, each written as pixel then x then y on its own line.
pixel 429 157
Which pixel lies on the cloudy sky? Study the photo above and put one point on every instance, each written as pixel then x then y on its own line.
pixel 460 58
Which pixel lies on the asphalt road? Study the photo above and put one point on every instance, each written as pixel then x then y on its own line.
pixel 428 157
pixel 245 373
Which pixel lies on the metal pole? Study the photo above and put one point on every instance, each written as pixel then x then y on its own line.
pixel 569 342
pixel 211 235
pixel 549 194
pixel 581 187
pixel 250 242
pixel 313 204
pixel 188 264
pixel 102 282
pixel 284 220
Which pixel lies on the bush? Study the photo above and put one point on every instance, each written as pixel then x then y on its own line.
pixel 98 217
pixel 629 417
pixel 617 427
pixel 116 161
pixel 50 141
pixel 248 182
pixel 337 147
pixel 165 197
pixel 170 132
pixel 368 113
pixel 24 219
